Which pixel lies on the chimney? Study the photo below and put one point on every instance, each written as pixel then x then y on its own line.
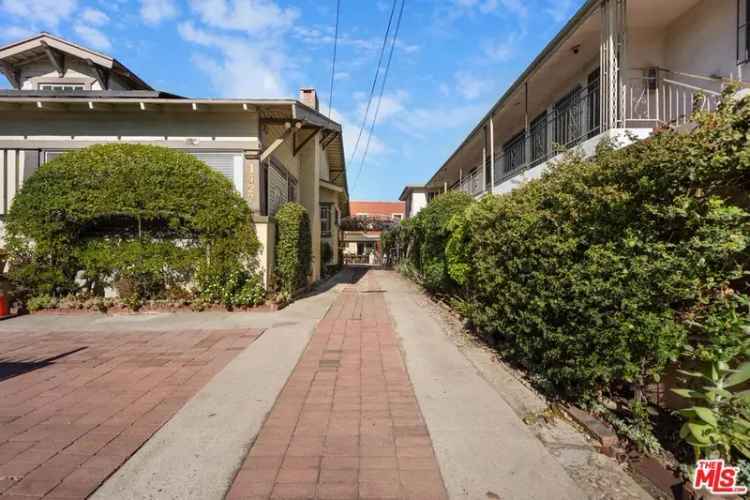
pixel 309 97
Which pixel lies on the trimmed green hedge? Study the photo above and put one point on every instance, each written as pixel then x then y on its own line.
pixel 605 273
pixel 426 236
pixel 293 247
pixel 148 220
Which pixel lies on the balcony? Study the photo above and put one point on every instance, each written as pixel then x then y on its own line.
pixel 649 99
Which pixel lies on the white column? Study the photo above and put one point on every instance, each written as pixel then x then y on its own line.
pixel 10 169
pixel 492 153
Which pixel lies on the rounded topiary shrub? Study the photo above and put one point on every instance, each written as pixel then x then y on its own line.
pixel 146 220
pixel 293 247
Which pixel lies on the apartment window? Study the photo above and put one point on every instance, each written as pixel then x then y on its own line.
pixel 325 219
pixel 230 165
pixel 396 216
pixel 743 40
pixel 515 153
pixel 568 119
pixel 62 86
pixel 538 133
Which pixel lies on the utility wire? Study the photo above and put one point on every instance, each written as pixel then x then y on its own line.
pixel 374 81
pixel 382 91
pixel 333 64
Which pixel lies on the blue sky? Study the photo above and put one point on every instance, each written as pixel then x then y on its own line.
pixel 453 59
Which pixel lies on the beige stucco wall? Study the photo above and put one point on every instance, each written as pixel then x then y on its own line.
pixel 328 196
pixel 703 40
pixel 266 232
pixel 309 192
pixel 130 125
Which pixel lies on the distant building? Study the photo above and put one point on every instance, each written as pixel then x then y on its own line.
pixel 362 246
pixel 415 198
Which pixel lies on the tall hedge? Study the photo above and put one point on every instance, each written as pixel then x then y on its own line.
pixel 293 247
pixel 605 272
pixel 153 218
pixel 427 235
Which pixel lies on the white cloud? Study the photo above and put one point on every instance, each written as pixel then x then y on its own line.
pixel 515 7
pixel 94 17
pixel 342 75
pixel 244 68
pixel 469 86
pixel 390 106
pixel 92 37
pixel 502 49
pixel 156 11
pixel 15 32
pixel 253 16
pixel 47 13
pixel 560 10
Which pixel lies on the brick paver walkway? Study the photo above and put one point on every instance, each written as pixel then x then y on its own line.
pixel 74 406
pixel 347 424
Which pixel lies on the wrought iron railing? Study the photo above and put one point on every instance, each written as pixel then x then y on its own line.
pixel 656 98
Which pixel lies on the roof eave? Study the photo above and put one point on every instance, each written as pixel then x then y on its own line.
pixel 586 9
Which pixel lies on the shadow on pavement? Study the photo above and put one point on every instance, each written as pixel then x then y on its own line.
pixel 10 369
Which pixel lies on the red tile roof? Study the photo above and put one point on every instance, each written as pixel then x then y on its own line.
pixel 383 208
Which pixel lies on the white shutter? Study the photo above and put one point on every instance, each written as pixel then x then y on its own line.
pixel 227 164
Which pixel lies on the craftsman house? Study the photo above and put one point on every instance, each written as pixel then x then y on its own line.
pixel 65 97
pixel 617 70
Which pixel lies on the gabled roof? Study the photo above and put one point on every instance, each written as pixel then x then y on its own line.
pixel 56 50
pixel 374 208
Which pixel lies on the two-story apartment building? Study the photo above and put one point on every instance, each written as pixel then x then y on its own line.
pixel 618 69
pixel 66 97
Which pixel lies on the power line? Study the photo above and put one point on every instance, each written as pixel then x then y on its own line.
pixel 382 91
pixel 374 81
pixel 333 64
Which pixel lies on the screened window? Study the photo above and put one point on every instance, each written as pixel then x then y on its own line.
pixel 515 153
pixel 325 220
pixel 538 133
pixel 568 119
pixel 228 164
pixel 62 86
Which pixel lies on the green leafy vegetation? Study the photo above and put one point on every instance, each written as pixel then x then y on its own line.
pixel 293 248
pixel 151 222
pixel 605 274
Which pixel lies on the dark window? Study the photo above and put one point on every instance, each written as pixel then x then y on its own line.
pixel 325 220
pixel 292 189
pixel 515 153
pixel 568 119
pixel 538 134
pixel 743 40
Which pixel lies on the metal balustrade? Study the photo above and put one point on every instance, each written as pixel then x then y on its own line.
pixel 656 98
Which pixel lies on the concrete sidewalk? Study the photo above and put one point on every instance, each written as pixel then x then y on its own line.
pixel 484 449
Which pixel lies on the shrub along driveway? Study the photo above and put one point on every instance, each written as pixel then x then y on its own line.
pixel 75 405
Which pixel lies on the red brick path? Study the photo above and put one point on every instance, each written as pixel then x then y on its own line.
pixel 347 424
pixel 66 425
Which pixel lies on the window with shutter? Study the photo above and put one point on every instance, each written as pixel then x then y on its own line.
pixel 228 164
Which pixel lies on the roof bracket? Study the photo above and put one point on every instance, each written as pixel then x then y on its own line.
pixel 275 144
pixel 328 140
pixel 298 147
pixel 56 58
pixel 13 74
pixel 102 74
